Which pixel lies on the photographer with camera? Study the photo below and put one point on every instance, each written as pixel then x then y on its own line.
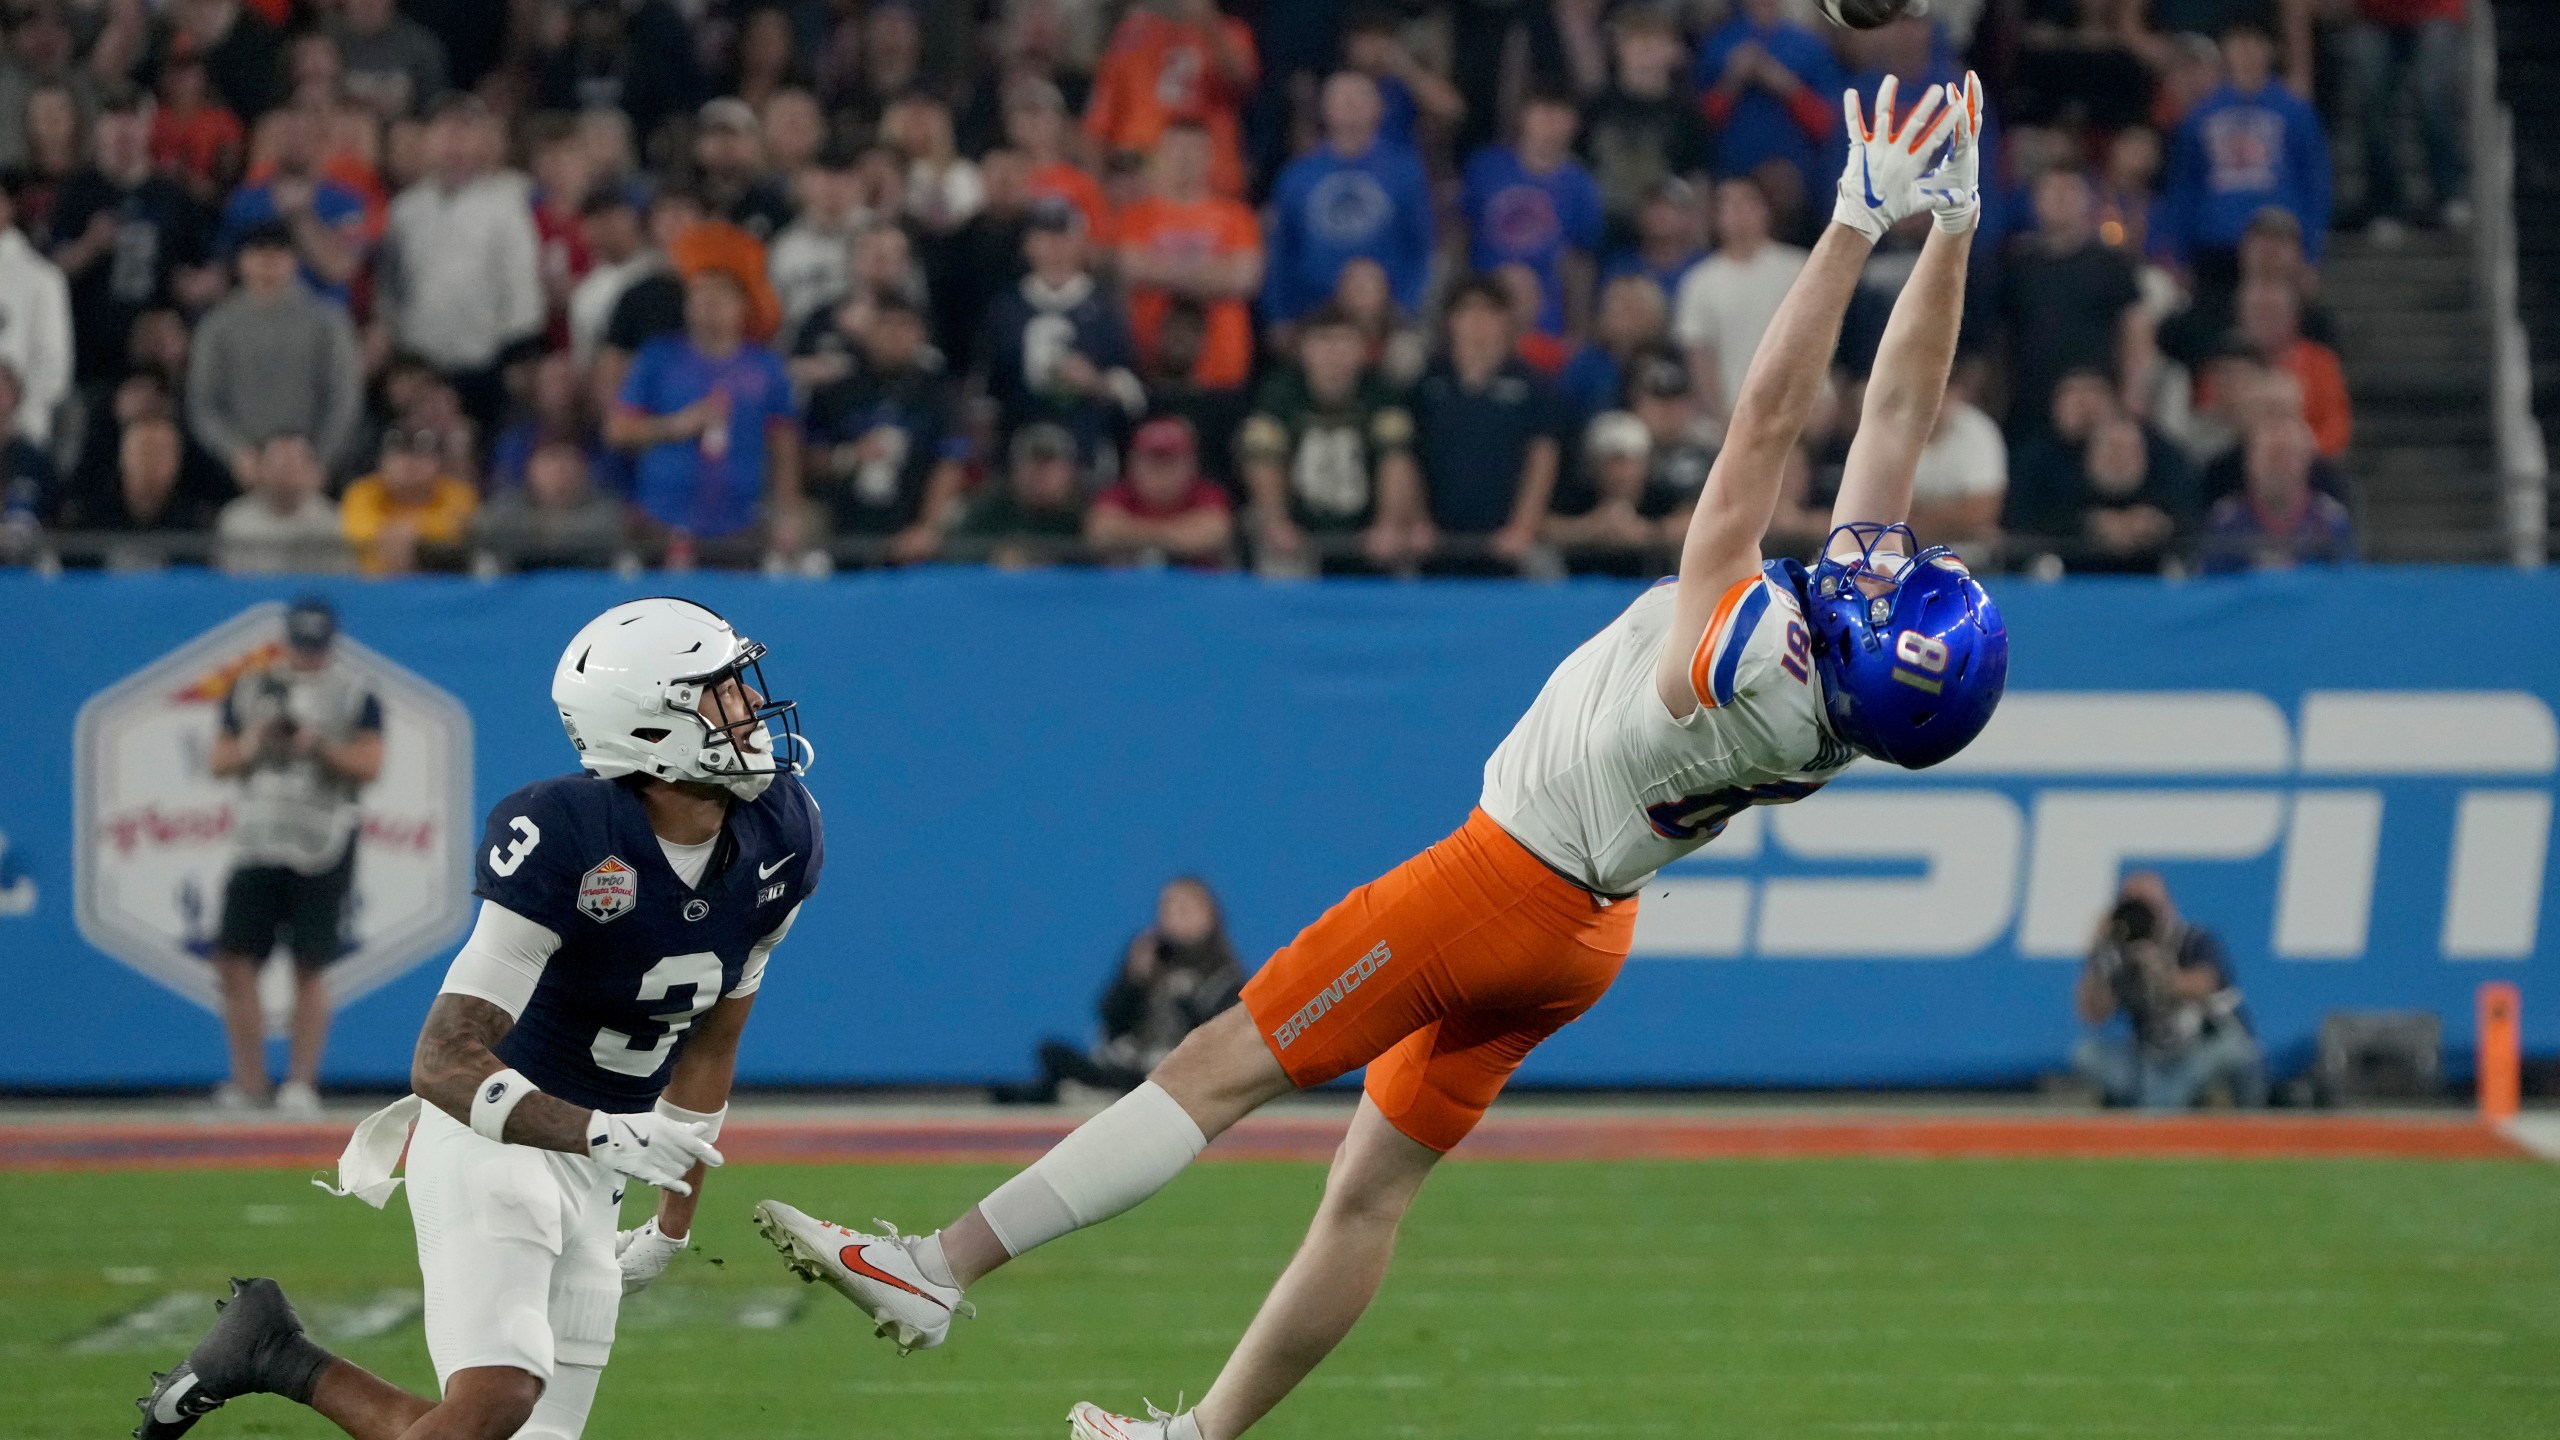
pixel 1177 975
pixel 2172 981
pixel 303 735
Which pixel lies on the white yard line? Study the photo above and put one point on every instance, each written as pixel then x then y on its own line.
pixel 2538 1133
pixel 172 1319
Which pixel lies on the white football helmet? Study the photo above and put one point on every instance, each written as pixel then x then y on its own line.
pixel 630 687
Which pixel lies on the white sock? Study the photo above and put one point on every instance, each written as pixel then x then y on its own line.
pixel 1110 1163
pixel 930 1259
pixel 1185 1426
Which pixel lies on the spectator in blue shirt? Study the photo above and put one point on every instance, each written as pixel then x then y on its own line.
pixel 2278 521
pixel 1357 195
pixel 2250 144
pixel 1531 203
pixel 327 218
pixel 710 415
pixel 1771 92
pixel 1634 317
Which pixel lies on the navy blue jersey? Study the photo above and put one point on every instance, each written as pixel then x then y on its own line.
pixel 642 954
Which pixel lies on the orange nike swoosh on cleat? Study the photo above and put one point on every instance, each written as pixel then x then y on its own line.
pixel 851 1255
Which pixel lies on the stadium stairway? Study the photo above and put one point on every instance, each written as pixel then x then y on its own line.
pixel 2416 348
pixel 2529 82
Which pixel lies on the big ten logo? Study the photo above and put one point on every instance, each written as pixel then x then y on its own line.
pixel 2423 814
pixel 156 832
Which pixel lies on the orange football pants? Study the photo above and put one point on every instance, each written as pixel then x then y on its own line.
pixel 1440 976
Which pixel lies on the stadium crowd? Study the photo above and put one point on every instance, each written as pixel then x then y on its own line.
pixel 1465 285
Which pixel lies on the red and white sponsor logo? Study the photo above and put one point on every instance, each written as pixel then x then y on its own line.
pixel 608 892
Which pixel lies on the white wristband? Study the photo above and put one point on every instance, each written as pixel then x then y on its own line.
pixel 709 1120
pixel 496 1099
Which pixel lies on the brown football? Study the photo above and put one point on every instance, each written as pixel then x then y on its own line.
pixel 1864 14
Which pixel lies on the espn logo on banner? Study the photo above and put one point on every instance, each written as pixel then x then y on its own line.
pixel 2018 844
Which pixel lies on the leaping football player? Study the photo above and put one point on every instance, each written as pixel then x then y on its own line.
pixel 584 1038
pixel 1746 682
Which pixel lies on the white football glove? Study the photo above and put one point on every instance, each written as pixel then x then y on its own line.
pixel 1954 189
pixel 1881 185
pixel 645 1254
pixel 649 1147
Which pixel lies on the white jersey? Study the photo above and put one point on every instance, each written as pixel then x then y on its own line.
pixel 1599 780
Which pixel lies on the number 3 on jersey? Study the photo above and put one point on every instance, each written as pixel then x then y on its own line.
pixel 1692 816
pixel 642 1054
pixel 527 835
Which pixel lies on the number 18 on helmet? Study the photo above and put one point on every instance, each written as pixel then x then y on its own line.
pixel 1913 652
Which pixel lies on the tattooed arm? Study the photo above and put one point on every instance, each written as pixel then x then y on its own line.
pixel 457 1049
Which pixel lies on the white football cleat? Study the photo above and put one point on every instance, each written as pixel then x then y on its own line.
pixel 1089 1421
pixel 877 1273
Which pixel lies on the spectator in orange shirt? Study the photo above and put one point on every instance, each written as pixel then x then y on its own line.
pixel 192 135
pixel 1172 62
pixel 1035 123
pixel 1183 243
pixel 401 516
pixel 2271 324
pixel 711 244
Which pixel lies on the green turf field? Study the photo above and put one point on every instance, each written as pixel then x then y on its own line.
pixel 1753 1299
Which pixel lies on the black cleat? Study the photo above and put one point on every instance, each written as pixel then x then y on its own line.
pixel 256 1345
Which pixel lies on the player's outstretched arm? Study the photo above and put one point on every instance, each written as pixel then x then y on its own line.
pixel 1787 374
pixel 1909 381
pixel 1879 187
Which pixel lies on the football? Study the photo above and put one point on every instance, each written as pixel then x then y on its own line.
pixel 1864 14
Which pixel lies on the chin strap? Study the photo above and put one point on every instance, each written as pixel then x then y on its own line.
pixel 808 748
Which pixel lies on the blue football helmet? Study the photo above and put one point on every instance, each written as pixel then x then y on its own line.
pixel 1913 659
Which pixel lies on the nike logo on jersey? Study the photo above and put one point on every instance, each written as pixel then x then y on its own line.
pixel 851 1255
pixel 765 872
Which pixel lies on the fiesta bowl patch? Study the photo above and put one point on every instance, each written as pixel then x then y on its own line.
pixel 609 891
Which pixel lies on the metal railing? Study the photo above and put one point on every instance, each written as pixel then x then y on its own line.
pixel 2524 466
pixel 2040 557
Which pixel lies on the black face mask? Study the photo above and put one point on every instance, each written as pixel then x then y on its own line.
pixel 780 719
